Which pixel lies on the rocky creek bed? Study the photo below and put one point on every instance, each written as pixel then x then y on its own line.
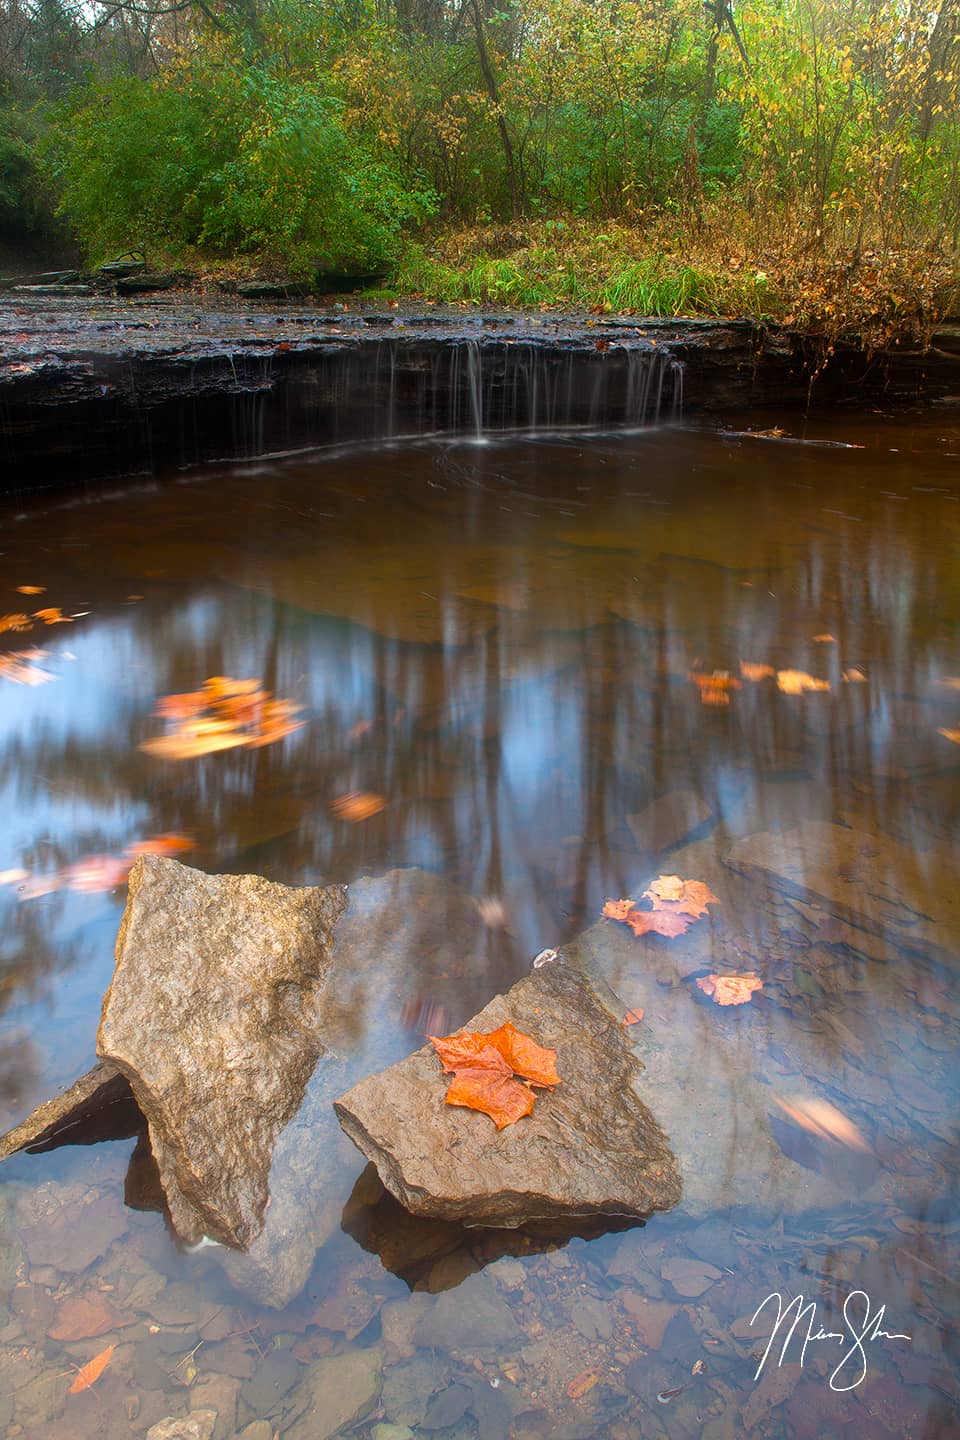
pixel 98 386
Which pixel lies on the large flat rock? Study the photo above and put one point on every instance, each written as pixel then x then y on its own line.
pixel 910 897
pixel 590 1147
pixel 212 1016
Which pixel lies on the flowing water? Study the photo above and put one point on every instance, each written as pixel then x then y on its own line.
pixel 530 653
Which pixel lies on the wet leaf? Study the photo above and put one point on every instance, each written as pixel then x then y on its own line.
pixel 669 923
pixel 14 876
pixel 357 805
pixel 674 905
pixel 582 1384
pixel 751 671
pixel 489 1086
pixel 81 1317
pixel 665 887
pixel 15 622
pixel 632 1017
pixel 824 640
pixel 90 1373
pixel 617 909
pixel 30 589
pixel 853 676
pixel 52 616
pixel 730 989
pixel 483 1067
pixel 520 1052
pixel 96 873
pixel 797 682
pixel 824 1120
pixel 953 735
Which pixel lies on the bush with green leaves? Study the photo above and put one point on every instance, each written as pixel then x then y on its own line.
pixel 228 158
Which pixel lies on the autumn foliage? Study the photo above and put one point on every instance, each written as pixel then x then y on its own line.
pixel 672 907
pixel 484 1067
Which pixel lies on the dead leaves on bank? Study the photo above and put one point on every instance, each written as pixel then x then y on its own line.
pixel 484 1067
pixel 672 907
pixel 224 714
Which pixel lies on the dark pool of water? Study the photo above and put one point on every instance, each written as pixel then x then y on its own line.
pixel 497 641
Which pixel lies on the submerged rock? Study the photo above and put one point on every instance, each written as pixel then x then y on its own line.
pixel 98 1106
pixel 212 1017
pixel 590 1147
pixel 863 878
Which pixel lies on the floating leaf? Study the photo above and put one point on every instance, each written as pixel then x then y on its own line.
pixel 15 622
pixel 161 845
pixel 665 887
pixel 952 682
pixel 853 676
pixel 659 922
pixel 21 671
pixel 90 1373
pixel 730 989
pixel 96 873
pixel 796 682
pixel 714 689
pixel 30 589
pixel 824 1120
pixel 750 671
pixel 824 640
pixel 685 897
pixel 953 735
pixel 357 805
pixel 52 616
pixel 225 714
pixel 617 909
pixel 632 1017
pixel 14 876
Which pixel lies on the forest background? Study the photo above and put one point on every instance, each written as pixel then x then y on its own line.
pixel 798 159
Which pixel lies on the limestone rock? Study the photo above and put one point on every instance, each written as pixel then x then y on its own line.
pixel 212 1017
pixel 590 1147
pixel 865 879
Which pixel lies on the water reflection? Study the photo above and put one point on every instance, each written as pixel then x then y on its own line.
pixel 499 642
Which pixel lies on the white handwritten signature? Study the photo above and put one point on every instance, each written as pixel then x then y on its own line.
pixel 861 1330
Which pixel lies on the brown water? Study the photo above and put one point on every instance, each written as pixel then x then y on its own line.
pixel 497 640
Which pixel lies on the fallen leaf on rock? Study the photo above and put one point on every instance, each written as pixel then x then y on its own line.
pixel 824 1120
pixel 52 616
pixel 483 1067
pixel 824 640
pixel 15 622
pixel 632 1017
pixel 730 989
pixel 796 682
pixel 953 735
pixel 536 1063
pixel 30 589
pixel 488 1085
pixel 90 1373
pixel 750 671
pixel 357 805
pixel 582 1384
pixel 853 676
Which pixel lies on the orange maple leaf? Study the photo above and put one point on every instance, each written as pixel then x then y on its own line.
pixel 15 621
pixel 90 1373
pixel 484 1065
pixel 714 689
pixel 795 682
pixel 617 909
pixel 659 922
pixel 52 616
pixel 730 989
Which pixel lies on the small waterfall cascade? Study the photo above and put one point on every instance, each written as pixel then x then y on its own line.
pixel 472 387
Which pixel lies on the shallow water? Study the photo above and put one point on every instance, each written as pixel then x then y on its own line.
pixel 497 641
